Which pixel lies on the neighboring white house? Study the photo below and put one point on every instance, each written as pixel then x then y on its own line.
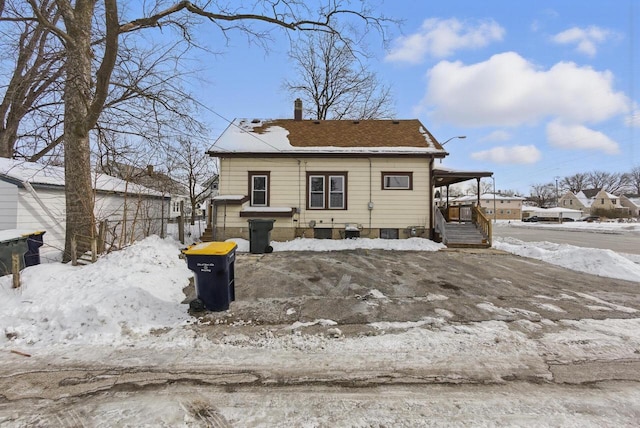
pixel 32 198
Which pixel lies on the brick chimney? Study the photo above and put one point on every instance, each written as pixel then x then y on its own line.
pixel 297 109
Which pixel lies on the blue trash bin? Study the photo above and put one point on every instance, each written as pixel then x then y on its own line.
pixel 213 265
pixel 34 242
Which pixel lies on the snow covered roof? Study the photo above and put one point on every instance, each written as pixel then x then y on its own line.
pixel 19 172
pixel 291 136
pixel 584 200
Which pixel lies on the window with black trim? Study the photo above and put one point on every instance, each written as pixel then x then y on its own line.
pixel 397 181
pixel 326 190
pixel 259 188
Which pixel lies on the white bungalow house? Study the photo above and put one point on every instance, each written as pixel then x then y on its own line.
pixel 32 198
pixel 326 179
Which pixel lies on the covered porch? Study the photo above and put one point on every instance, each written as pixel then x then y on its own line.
pixel 461 225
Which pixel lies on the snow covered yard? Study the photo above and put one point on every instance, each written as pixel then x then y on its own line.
pixel 366 313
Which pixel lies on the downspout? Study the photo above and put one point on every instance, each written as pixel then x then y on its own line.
pixel 370 204
pixel 430 200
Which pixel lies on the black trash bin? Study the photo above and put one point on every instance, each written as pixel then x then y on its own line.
pixel 259 235
pixel 34 242
pixel 213 266
pixel 11 242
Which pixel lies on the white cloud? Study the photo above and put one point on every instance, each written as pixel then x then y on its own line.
pixel 508 90
pixel 579 137
pixel 499 135
pixel 586 40
pixel 440 38
pixel 510 155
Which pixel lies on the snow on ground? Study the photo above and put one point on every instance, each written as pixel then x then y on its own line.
pixel 127 308
pixel 594 261
pixel 131 293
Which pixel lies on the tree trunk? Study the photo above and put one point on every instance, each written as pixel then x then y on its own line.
pixel 77 99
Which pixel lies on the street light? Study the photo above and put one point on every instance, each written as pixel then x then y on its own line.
pixel 462 137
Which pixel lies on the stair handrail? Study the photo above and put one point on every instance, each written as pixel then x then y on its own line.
pixel 441 226
pixel 483 223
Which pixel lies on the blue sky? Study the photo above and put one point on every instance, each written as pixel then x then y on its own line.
pixel 540 88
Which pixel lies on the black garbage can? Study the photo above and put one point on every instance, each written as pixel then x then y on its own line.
pixel 213 266
pixel 34 242
pixel 11 243
pixel 259 235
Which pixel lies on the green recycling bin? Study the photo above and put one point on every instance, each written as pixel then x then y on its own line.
pixel 259 236
pixel 11 242
pixel 213 266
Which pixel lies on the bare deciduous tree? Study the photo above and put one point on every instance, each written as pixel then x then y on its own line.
pixel 86 89
pixel 544 194
pixel 333 83
pixel 33 63
pixel 634 180
pixel 191 167
pixel 610 182
pixel 574 183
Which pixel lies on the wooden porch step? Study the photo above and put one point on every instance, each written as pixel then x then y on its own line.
pixel 465 235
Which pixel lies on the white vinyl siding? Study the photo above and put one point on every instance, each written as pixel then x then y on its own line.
pixel 8 205
pixel 289 188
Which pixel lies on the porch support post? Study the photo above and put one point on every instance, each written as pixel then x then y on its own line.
pixel 447 196
pixel 478 180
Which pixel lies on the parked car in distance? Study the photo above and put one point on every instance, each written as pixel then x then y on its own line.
pixel 567 219
pixel 590 218
pixel 531 219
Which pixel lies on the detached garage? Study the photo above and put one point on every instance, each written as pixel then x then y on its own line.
pixel 32 198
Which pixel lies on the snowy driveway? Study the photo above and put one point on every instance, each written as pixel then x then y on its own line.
pixel 340 338
pixel 365 290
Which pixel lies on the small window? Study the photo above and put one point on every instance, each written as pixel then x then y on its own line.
pixel 389 234
pixel 397 180
pixel 602 201
pixel 259 188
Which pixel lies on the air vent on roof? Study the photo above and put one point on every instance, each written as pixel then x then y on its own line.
pixel 396 122
pixel 317 122
pixel 356 122
pixel 255 121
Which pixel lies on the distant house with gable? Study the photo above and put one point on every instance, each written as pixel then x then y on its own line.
pixel 32 198
pixel 594 202
pixel 632 202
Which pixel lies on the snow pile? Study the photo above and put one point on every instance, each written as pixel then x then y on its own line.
pixel 307 244
pixel 598 262
pixel 120 297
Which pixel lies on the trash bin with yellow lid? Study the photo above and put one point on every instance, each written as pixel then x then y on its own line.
pixel 213 266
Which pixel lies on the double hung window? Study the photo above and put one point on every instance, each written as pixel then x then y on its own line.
pixel 327 191
pixel 259 188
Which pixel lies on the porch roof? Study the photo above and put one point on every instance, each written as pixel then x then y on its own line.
pixel 443 176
